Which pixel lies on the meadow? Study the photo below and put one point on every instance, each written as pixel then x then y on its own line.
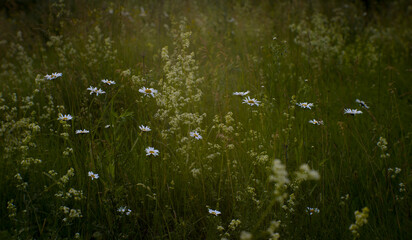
pixel 206 119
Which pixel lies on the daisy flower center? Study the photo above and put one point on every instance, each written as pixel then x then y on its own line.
pixel 148 91
pixel 304 104
pixel 151 151
pixel 251 101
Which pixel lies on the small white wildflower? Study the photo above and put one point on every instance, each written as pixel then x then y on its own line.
pixel 305 105
pixel 53 76
pixel 108 82
pixel 402 187
pixel 93 175
pixel 316 122
pixel 151 151
pixel 108 126
pixel 148 91
pixel 352 111
pixel 214 212
pixel 241 93
pixel 312 210
pixel 84 131
pixel 145 128
pixel 220 228
pixel 75 213
pixel 196 135
pixel 362 103
pixel 251 101
pixel 124 210
pixel 64 117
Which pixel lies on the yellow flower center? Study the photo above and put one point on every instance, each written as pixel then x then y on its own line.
pixel 151 151
pixel 304 104
pixel 251 101
pixel 148 91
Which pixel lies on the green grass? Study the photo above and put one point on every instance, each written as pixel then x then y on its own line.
pixel 324 52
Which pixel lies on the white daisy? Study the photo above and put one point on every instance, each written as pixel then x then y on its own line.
pixel 362 103
pixel 316 122
pixel 148 91
pixel 64 117
pixel 214 212
pixel 93 175
pixel 82 131
pixel 95 90
pixel 305 105
pixel 312 210
pixel 151 151
pixel 53 76
pixel 241 93
pixel 196 135
pixel 251 101
pixel 92 89
pixel 352 111
pixel 100 91
pixel 145 128
pixel 108 82
pixel 108 126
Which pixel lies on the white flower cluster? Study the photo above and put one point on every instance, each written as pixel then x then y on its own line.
pixel 180 89
pixel 280 177
pixel 124 210
pixel 11 208
pixel 272 228
pixel 383 145
pixel 65 178
pixel 234 224
pixel 71 213
pixel 361 219
pixel 26 162
pixel 394 172
pixel 305 173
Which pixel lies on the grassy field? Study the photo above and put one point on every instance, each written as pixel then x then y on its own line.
pixel 206 119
